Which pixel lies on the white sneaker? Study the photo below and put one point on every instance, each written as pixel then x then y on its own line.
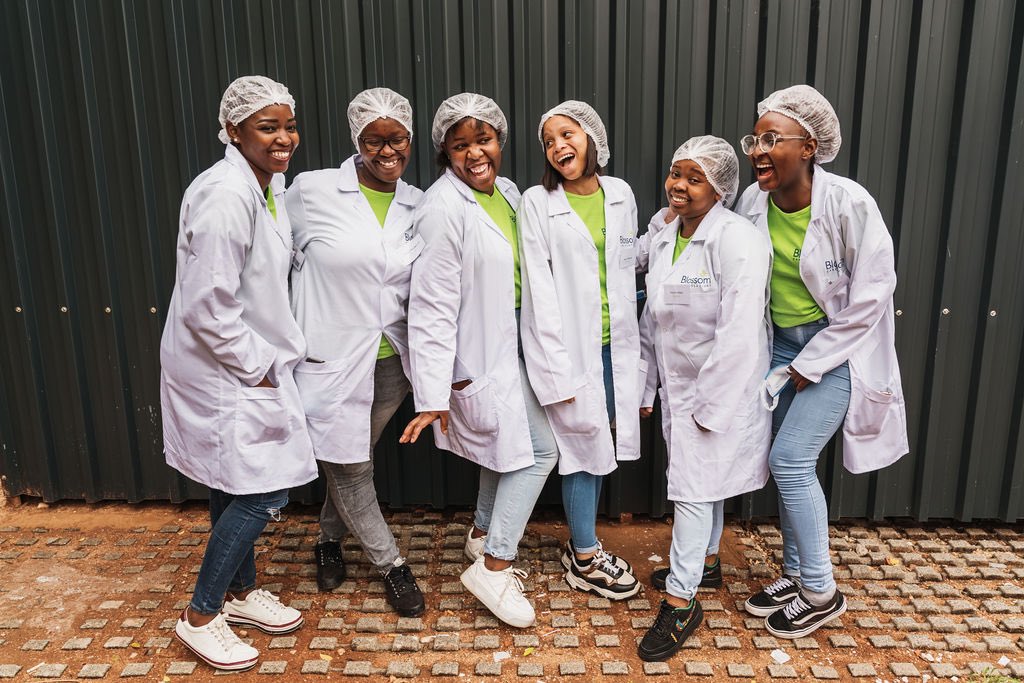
pixel 474 546
pixel 263 610
pixel 216 644
pixel 501 592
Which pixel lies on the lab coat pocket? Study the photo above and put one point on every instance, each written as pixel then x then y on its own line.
pixel 869 409
pixel 835 296
pixel 261 417
pixel 321 387
pixel 474 407
pixel 582 416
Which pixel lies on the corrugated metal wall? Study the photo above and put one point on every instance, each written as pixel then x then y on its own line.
pixel 109 110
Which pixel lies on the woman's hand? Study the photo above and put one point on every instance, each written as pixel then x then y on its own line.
pixel 699 425
pixel 646 412
pixel 569 400
pixel 799 381
pixel 670 215
pixel 265 382
pixel 421 422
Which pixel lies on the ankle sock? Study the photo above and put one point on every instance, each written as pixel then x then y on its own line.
pixel 819 599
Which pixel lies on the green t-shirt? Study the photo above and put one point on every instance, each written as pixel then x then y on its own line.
pixel 590 209
pixel 791 303
pixel 681 243
pixel 271 205
pixel 380 202
pixel 500 211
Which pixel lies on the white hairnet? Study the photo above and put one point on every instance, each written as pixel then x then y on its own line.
pixel 246 96
pixel 717 159
pixel 589 120
pixel 458 107
pixel 377 103
pixel 810 109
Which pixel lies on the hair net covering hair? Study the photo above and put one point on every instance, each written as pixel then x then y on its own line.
pixel 458 107
pixel 583 114
pixel 717 159
pixel 246 96
pixel 810 109
pixel 377 103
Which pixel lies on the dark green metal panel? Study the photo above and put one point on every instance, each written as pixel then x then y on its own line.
pixel 109 110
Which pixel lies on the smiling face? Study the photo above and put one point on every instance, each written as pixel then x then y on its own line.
pixel 380 170
pixel 565 147
pixel 789 162
pixel 689 193
pixel 474 153
pixel 267 140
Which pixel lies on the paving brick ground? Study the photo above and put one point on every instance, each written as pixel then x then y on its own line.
pixel 98 601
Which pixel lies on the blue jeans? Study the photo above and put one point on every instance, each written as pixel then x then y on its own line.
pixel 581 491
pixel 505 500
pixel 229 563
pixel 696 533
pixel 802 424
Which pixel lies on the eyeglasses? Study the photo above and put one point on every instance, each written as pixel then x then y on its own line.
pixel 374 145
pixel 765 141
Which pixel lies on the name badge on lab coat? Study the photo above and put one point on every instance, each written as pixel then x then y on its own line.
pixel 410 249
pixel 677 294
pixel 298 258
pixel 627 259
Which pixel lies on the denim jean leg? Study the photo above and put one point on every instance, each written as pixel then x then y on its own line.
pixel 245 577
pixel 485 496
pixel 516 493
pixel 609 384
pixel 812 417
pixel 691 533
pixel 230 545
pixel 717 524
pixel 783 352
pixel 580 493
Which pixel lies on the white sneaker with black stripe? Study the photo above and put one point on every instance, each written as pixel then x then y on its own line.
pixel 800 618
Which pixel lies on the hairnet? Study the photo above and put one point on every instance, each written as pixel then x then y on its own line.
pixel 246 96
pixel 377 103
pixel 810 109
pixel 583 114
pixel 458 107
pixel 717 159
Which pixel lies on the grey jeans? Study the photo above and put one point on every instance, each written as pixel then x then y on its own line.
pixel 351 503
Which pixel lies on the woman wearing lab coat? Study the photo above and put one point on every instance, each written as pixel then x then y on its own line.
pixel 467 372
pixel 705 337
pixel 580 335
pixel 355 245
pixel 232 417
pixel 834 355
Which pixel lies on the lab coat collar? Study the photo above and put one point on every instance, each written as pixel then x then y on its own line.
pixel 348 181
pixel 507 188
pixel 235 158
pixel 708 224
pixel 558 203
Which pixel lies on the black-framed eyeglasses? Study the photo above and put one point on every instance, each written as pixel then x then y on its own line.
pixel 375 144
pixel 765 141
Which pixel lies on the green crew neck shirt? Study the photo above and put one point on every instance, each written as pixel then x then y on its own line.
pixel 271 205
pixel 681 243
pixel 590 209
pixel 791 303
pixel 501 212
pixel 380 202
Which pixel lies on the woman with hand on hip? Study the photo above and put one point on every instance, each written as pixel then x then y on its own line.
pixel 355 245
pixel 580 335
pixel 705 337
pixel 467 370
pixel 834 353
pixel 232 415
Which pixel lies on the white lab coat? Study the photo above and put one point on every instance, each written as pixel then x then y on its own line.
pixel 462 325
pixel 350 285
pixel 847 264
pixel 705 331
pixel 561 325
pixel 228 326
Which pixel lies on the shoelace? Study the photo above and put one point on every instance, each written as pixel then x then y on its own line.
pixel 514 580
pixel 794 608
pixel 267 600
pixel 778 585
pixel 330 555
pixel 606 563
pixel 223 633
pixel 665 620
pixel 401 580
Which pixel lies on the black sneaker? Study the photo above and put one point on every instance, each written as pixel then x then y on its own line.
pixel 402 592
pixel 569 551
pixel 330 565
pixel 711 578
pixel 670 630
pixel 800 618
pixel 772 597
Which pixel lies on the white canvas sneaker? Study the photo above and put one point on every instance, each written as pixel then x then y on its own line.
pixel 474 546
pixel 263 610
pixel 216 644
pixel 501 592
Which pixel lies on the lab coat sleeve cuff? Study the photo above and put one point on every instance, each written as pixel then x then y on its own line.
pixel 709 421
pixel 267 356
pixel 807 369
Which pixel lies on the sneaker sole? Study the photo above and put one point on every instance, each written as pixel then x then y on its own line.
pixel 271 630
pixel 236 666
pixel 793 635
pixel 586 587
pixel 491 609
